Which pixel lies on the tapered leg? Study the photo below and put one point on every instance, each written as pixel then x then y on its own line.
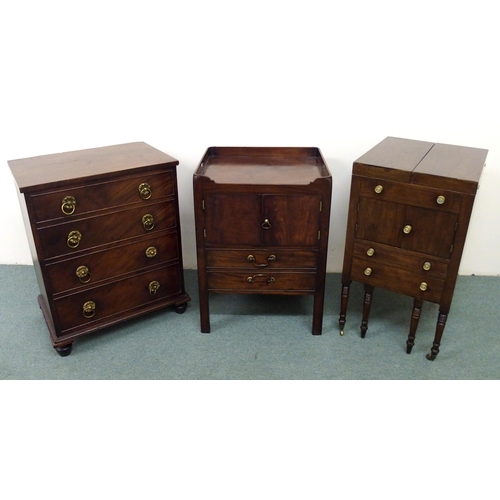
pixel 367 304
pixel 441 323
pixel 344 299
pixel 415 316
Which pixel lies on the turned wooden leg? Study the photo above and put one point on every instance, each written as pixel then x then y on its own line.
pixel 415 316
pixel 344 299
pixel 441 323
pixel 367 304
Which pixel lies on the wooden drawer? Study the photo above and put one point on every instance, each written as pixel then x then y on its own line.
pixel 427 265
pixel 397 280
pixel 106 228
pixel 411 194
pixel 100 196
pixel 254 259
pixel 120 297
pixel 270 282
pixel 86 270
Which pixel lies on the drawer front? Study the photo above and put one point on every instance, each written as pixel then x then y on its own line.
pixel 86 270
pixel 411 194
pixel 252 282
pixel 79 200
pixel 254 259
pixel 91 306
pixel 377 253
pixel 397 280
pixel 74 236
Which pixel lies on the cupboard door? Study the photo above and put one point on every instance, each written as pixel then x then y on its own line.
pixel 432 231
pixel 378 221
pixel 290 220
pixel 232 219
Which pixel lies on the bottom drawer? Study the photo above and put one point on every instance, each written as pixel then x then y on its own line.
pixel 397 280
pixel 248 282
pixel 100 303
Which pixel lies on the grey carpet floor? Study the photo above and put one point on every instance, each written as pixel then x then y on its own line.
pixel 258 338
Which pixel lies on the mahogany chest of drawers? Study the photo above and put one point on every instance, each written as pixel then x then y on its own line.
pixel 262 219
pixel 103 226
pixel 409 210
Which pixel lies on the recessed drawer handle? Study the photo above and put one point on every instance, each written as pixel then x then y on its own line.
pixel 83 274
pixel 74 238
pixel 271 258
pixel 145 191
pixel 368 271
pixel 266 224
pixel 68 205
pixel 378 189
pixel 153 287
pixel 148 222
pixel 269 279
pixel 89 309
pixel 151 252
pixel 440 200
pixel 407 229
pixel 423 286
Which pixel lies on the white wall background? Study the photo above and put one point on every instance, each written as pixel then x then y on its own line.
pixel 185 75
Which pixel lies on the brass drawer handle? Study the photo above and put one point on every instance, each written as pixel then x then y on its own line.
pixel 148 222
pixel 153 287
pixel 151 252
pixel 378 189
pixel 89 309
pixel 266 224
pixel 423 286
pixel 83 274
pixel 367 271
pixel 407 229
pixel 145 191
pixel 440 199
pixel 370 252
pixel 74 238
pixel 271 258
pixel 427 266
pixel 68 205
pixel 269 279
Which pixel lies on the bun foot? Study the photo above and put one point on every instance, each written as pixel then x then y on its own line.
pixel 430 356
pixel 180 308
pixel 64 350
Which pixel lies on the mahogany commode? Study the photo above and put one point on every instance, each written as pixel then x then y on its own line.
pixel 104 231
pixel 262 219
pixel 409 210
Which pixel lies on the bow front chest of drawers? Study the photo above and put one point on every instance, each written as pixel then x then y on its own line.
pixel 409 211
pixel 262 219
pixel 103 226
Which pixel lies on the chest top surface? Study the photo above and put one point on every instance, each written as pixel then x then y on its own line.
pixel 424 163
pixel 263 166
pixel 61 168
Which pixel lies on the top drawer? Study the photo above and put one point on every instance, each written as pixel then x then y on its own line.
pixel 411 194
pixel 78 200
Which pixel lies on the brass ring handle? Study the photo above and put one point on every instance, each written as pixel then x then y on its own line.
pixel 153 287
pixel 266 224
pixel 423 286
pixel 368 271
pixel 269 279
pixel 83 274
pixel 426 266
pixel 440 200
pixel 378 189
pixel 145 191
pixel 407 229
pixel 89 309
pixel 370 252
pixel 151 252
pixel 148 222
pixel 68 205
pixel 74 238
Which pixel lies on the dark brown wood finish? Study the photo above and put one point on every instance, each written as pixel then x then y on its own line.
pixel 262 220
pixel 409 210
pixel 104 232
